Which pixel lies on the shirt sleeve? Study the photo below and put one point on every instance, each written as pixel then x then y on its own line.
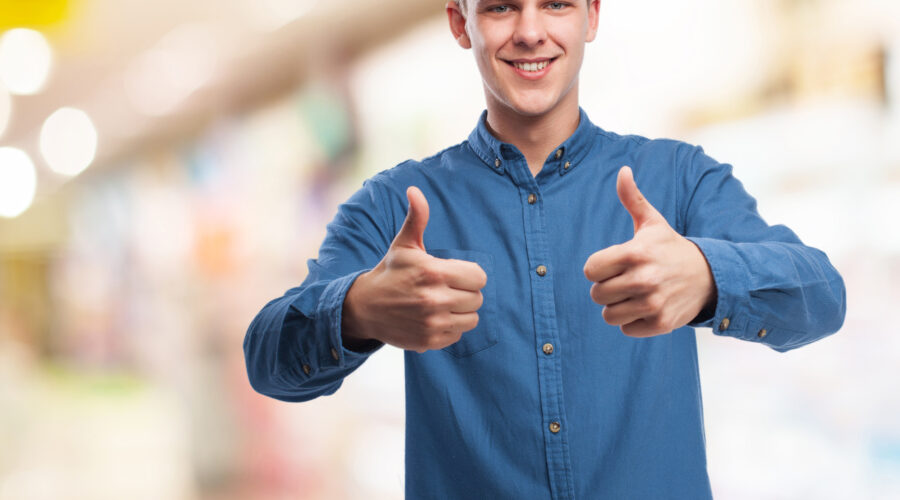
pixel 293 348
pixel 771 288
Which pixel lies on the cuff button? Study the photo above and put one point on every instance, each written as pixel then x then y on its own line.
pixel 762 333
pixel 724 324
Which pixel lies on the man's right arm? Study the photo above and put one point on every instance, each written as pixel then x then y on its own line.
pixel 294 348
pixel 361 293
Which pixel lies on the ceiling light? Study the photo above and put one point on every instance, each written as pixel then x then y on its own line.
pixel 68 141
pixel 25 60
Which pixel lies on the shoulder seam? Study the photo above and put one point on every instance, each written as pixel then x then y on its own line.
pixel 439 154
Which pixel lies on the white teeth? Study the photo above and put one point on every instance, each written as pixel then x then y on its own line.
pixel 532 66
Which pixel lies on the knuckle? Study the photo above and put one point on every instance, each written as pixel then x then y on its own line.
pixel 426 342
pixel 645 280
pixel 654 304
pixel 436 342
pixel 428 300
pixel 430 323
pixel 428 275
pixel 637 253
pixel 607 315
pixel 667 323
pixel 659 323
pixel 634 285
pixel 652 277
pixel 393 258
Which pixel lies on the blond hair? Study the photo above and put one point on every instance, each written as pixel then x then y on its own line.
pixel 462 3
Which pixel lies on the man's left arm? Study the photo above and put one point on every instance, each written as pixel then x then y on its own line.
pixel 770 287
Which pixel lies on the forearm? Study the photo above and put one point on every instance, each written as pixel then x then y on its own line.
pixel 293 348
pixel 784 295
pixel 771 287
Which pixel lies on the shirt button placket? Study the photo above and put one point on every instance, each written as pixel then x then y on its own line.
pixel 546 334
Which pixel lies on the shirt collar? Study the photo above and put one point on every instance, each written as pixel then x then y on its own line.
pixel 564 158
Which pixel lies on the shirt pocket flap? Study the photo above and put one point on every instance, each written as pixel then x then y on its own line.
pixel 485 334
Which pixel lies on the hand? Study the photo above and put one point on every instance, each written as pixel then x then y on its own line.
pixel 413 300
pixel 654 283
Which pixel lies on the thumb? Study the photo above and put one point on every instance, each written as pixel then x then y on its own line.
pixel 413 230
pixel 640 209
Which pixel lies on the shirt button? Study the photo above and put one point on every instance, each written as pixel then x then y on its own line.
pixel 548 348
pixel 532 198
pixel 541 270
pixel 497 162
pixel 762 333
pixel 559 153
pixel 306 369
pixel 554 427
pixel 566 166
pixel 334 354
pixel 724 324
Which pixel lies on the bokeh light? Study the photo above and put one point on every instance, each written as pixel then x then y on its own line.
pixel 225 134
pixel 18 182
pixel 68 141
pixel 25 61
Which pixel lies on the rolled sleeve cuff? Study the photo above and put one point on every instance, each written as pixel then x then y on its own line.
pixel 330 307
pixel 732 315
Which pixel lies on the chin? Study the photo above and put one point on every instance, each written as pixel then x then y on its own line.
pixel 535 107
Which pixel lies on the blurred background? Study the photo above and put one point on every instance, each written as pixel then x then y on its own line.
pixel 167 167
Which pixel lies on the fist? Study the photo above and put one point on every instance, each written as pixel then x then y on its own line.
pixel 411 299
pixel 657 281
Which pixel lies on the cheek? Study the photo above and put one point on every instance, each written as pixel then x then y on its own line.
pixel 483 58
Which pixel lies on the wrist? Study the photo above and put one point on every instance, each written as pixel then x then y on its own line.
pixel 354 335
pixel 705 276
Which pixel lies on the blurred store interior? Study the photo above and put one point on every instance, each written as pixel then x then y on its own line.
pixel 168 167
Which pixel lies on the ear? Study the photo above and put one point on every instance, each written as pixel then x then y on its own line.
pixel 593 19
pixel 458 25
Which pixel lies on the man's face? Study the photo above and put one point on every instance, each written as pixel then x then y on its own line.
pixel 529 52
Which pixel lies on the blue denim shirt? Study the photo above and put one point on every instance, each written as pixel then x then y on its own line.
pixel 544 399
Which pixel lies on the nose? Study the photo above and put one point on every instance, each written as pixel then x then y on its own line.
pixel 530 30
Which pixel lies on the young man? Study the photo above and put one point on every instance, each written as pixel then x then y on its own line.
pixel 545 303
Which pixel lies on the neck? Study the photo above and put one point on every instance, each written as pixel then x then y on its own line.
pixel 534 136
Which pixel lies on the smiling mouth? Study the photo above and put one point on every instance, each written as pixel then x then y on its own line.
pixel 531 67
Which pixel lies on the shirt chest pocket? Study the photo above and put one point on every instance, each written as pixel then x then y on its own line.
pixel 485 334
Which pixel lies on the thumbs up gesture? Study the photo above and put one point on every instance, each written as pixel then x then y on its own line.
pixel 654 283
pixel 411 299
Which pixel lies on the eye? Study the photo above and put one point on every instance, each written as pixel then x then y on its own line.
pixel 499 9
pixel 557 5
